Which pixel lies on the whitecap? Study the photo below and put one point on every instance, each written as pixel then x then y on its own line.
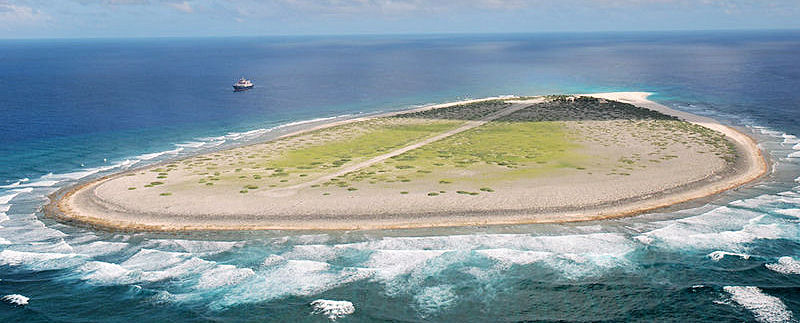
pixel 765 308
pixel 507 257
pixel 191 144
pixel 390 264
pixel 90 171
pixel 292 277
pixel 4 199
pixel 332 309
pixel 15 299
pixel 31 184
pixel 435 299
pixel 99 248
pixel 223 275
pixel 720 228
pixel 786 265
pixel 273 260
pixel 103 273
pixel 203 247
pixel 36 260
pixel 145 266
pixel 158 154
pixel 790 139
pixel 789 212
pixel 718 255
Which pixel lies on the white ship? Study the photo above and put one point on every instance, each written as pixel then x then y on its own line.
pixel 242 85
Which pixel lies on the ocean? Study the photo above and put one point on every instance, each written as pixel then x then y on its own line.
pixel 71 110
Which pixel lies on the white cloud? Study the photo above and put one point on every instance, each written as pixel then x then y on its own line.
pixel 182 6
pixel 14 15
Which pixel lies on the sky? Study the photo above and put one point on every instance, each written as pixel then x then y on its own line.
pixel 199 18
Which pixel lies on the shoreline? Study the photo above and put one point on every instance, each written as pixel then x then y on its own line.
pixel 63 205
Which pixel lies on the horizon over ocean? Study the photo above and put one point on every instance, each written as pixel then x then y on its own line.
pixel 73 109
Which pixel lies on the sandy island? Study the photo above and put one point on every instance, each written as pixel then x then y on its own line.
pixel 478 162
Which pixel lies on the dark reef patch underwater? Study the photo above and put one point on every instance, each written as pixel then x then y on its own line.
pixel 107 105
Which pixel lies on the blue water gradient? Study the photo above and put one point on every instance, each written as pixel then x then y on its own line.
pixel 74 109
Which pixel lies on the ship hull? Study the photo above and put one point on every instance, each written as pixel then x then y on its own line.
pixel 241 88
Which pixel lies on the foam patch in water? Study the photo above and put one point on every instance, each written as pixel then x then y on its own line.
pixel 721 228
pixel 4 199
pixel 718 255
pixel 193 246
pixel 435 299
pixel 332 309
pixel 36 260
pixel 16 299
pixel 786 265
pixel 292 277
pixel 765 308
pixel 99 248
pixel 223 275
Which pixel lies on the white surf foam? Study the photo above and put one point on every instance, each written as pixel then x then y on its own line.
pixel 719 255
pixel 786 265
pixel 89 171
pixel 272 260
pixel 435 299
pixel 103 273
pixel 16 299
pixel 202 247
pixel 720 228
pixel 789 212
pixel 30 184
pixel 158 154
pixel 292 277
pixel 37 260
pixel 99 248
pixel 4 199
pixel 332 309
pixel 507 257
pixel 390 264
pixel 147 265
pixel 191 144
pixel 765 308
pixel 223 275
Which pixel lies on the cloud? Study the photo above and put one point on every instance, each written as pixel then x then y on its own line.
pixel 182 6
pixel 14 15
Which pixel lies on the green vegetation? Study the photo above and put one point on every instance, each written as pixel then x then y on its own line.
pixel 469 111
pixel 372 143
pixel 497 150
pixel 539 140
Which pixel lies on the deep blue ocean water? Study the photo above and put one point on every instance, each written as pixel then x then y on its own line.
pixel 73 109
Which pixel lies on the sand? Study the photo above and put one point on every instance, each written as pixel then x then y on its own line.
pixel 624 176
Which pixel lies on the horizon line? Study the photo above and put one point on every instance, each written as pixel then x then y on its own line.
pixel 312 35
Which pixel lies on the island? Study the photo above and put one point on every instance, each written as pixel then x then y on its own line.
pixel 481 162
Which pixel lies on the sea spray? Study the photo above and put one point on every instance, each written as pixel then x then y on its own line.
pixel 15 299
pixel 332 309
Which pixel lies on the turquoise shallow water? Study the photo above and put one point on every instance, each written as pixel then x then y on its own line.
pixel 108 105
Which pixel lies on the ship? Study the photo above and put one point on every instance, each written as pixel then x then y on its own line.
pixel 242 85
